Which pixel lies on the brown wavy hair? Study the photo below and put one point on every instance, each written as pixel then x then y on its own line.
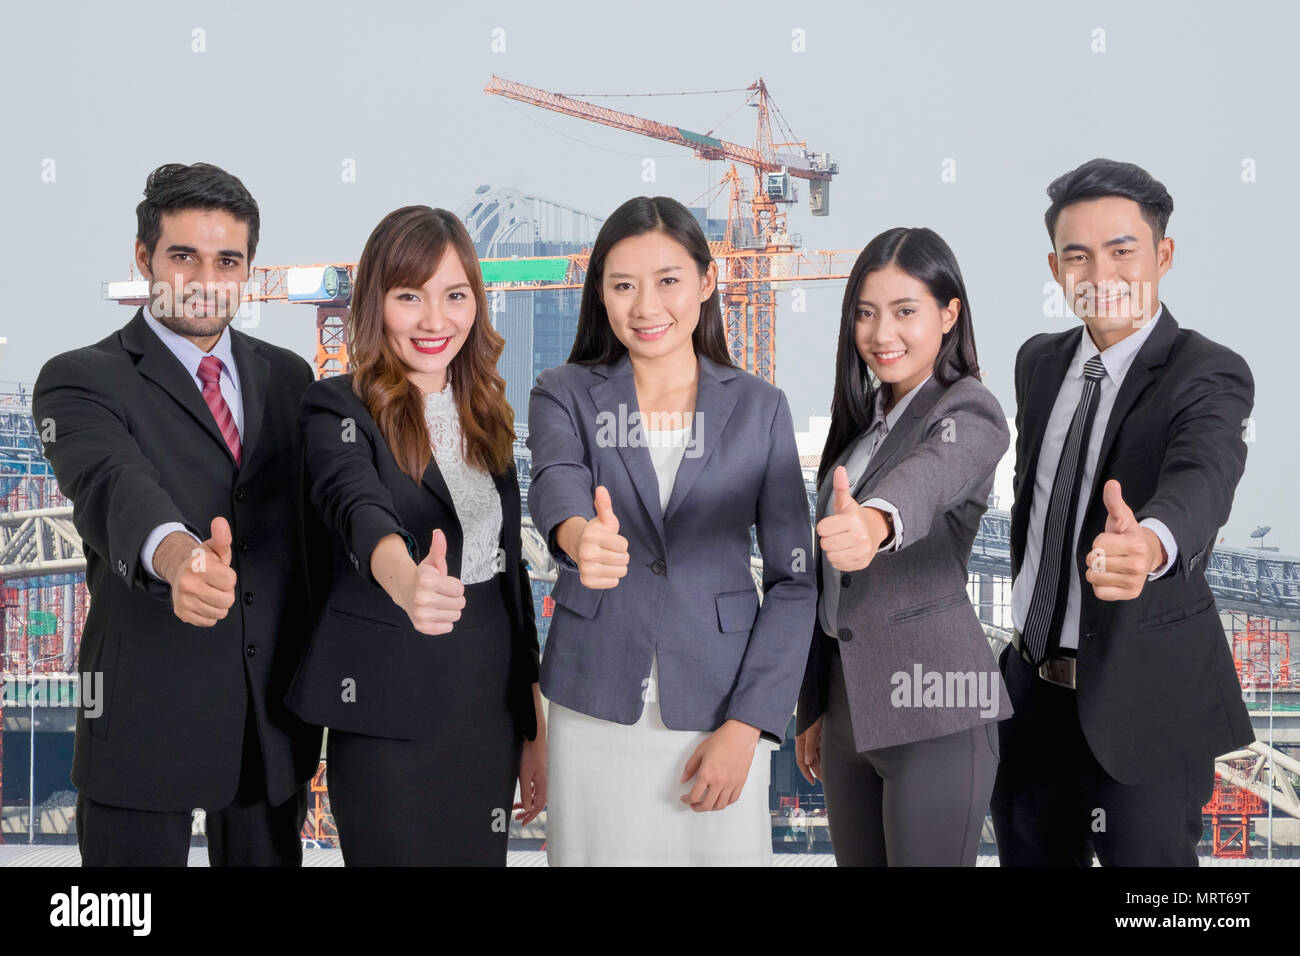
pixel 404 250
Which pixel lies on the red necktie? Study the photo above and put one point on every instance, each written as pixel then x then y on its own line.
pixel 210 375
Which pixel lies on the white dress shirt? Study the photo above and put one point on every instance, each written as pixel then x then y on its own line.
pixel 189 355
pixel 864 447
pixel 1117 359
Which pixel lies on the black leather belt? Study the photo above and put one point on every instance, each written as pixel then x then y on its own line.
pixel 1058 669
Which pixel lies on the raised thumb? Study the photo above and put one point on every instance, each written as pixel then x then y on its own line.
pixel 1119 516
pixel 437 556
pixel 844 502
pixel 605 509
pixel 220 539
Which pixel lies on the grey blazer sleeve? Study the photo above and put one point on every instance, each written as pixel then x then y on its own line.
pixel 965 437
pixel 772 670
pixel 561 485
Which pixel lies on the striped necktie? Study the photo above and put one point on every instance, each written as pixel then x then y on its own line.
pixel 210 375
pixel 1042 632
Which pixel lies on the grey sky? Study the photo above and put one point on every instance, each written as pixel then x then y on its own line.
pixel 1011 92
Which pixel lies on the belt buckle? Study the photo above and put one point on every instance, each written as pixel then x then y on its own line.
pixel 1058 671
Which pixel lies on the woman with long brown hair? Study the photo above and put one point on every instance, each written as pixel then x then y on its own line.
pixel 424 662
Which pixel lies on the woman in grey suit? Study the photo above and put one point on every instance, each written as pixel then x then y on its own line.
pixel 897 713
pixel 653 457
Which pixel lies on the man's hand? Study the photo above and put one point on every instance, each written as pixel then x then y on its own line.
pixel 720 766
pixel 201 578
pixel 851 536
pixel 434 599
pixel 1125 553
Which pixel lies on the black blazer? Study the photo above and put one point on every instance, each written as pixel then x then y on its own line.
pixel 362 494
pixel 134 445
pixel 1157 689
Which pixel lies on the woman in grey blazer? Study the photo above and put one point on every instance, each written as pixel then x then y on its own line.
pixel 897 713
pixel 653 457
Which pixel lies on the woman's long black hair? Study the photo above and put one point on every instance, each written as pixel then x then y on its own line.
pixel 595 342
pixel 923 255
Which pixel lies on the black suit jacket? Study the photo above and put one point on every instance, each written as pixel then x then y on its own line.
pixel 134 445
pixel 363 495
pixel 1157 689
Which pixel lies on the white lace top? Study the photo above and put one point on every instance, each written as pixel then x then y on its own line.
pixel 478 505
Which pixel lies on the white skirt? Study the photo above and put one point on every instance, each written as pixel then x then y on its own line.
pixel 614 796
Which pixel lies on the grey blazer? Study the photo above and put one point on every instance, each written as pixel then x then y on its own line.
pixel 916 662
pixel 688 594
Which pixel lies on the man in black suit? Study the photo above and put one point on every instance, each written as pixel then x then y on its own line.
pixel 178 443
pixel 1129 447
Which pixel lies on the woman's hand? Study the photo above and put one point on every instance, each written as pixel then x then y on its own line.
pixel 851 535
pixel 595 545
pixel 720 765
pixel 808 752
pixel 532 768
pixel 431 598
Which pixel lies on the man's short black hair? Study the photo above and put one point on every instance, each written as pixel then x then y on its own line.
pixel 175 186
pixel 1106 177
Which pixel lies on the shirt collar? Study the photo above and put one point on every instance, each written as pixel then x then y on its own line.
pixel 1119 356
pixel 896 412
pixel 189 354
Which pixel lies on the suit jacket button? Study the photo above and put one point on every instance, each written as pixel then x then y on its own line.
pixel 239 494
pixel 248 597
pixel 243 544
pixel 845 634
pixel 846 580
pixel 250 650
pixel 660 566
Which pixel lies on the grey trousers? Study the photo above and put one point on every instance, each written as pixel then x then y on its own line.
pixel 915 804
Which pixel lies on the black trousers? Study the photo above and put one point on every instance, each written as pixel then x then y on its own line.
pixel 247 832
pixel 915 804
pixel 1054 804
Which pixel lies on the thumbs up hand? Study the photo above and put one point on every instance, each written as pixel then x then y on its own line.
pixel 434 599
pixel 851 535
pixel 1125 553
pixel 602 556
pixel 201 578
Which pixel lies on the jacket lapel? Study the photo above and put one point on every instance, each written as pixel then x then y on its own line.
pixel 714 403
pixel 254 378
pixel 615 399
pixel 1044 383
pixel 919 406
pixel 1153 354
pixel 157 363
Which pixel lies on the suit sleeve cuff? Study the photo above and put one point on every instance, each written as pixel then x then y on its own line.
pixel 367 525
pixel 1167 539
pixel 896 539
pixel 154 539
